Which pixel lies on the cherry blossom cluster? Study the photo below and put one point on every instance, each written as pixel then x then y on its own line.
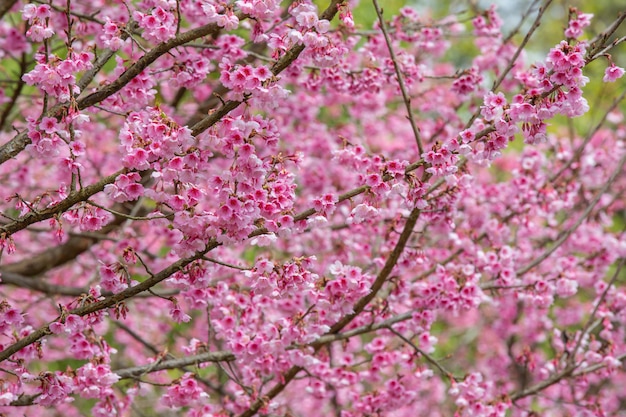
pixel 56 76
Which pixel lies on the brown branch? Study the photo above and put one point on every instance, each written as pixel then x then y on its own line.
pixel 104 57
pixel 286 378
pixel 599 42
pixel 137 371
pixel 330 338
pixel 542 385
pixel 51 258
pixel 147 59
pixel 595 367
pixel 17 280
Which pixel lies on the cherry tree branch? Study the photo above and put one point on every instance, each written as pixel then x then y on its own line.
pixel 19 143
pixel 60 207
pixel 596 367
pixel 600 42
pixel 390 264
pixel 17 280
pixel 137 371
pixel 39 263
pixel 108 301
pixel 542 385
pixel 102 59
pixel 330 338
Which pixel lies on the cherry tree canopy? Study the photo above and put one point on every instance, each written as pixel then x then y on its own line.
pixel 238 208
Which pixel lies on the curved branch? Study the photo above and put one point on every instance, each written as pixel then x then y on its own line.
pixel 11 278
pixel 137 371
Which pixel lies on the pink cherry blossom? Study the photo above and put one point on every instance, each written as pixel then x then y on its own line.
pixel 612 73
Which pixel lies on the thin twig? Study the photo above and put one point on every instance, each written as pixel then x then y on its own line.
pixel 128 216
pixel 226 264
pixel 522 45
pixel 442 370
pixel 175 363
pixel 520 23
pixel 405 95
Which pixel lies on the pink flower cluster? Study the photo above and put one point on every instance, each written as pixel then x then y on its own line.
pixel 244 78
pixel 10 317
pixel 148 137
pixel 126 187
pixel 87 218
pixel 38 17
pixel 57 77
pixel 613 73
pixel 224 17
pixel 95 381
pixel 111 36
pixel 185 392
pixel 577 23
pixel 158 26
pixel 473 398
